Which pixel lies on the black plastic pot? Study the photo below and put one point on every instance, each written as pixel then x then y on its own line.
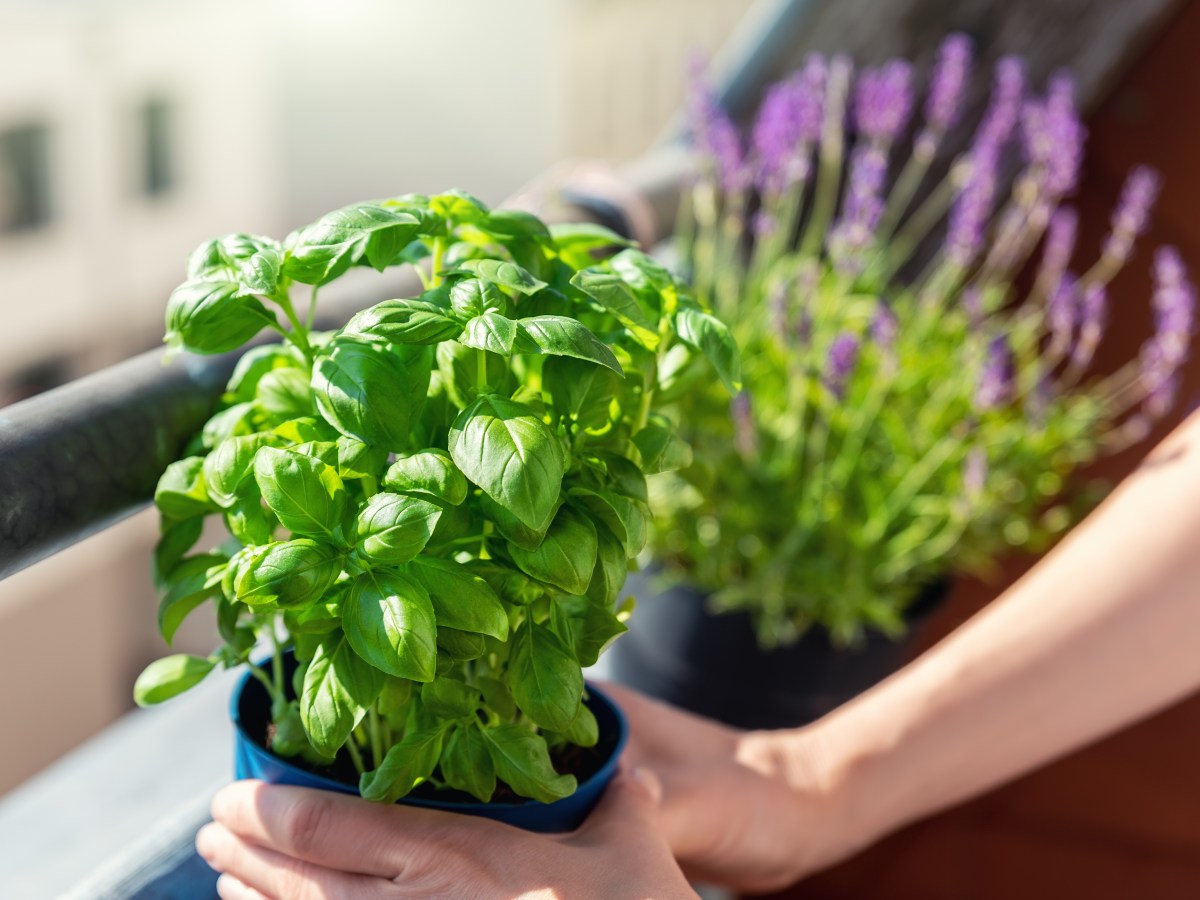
pixel 711 664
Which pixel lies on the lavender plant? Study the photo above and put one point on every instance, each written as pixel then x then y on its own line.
pixel 911 407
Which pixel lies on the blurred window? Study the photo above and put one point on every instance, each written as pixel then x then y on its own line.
pixel 24 177
pixel 158 162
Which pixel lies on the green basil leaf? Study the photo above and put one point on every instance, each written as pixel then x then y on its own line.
pixel 612 568
pixel 544 676
pixel 709 335
pixel 405 765
pixel 288 738
pixel 358 460
pixel 490 331
pixel 414 321
pixel 577 243
pixel 466 763
pixel 287 574
pixel 285 393
pixel 235 420
pixel 579 389
pixel 593 631
pixel 458 206
pixel 624 476
pixel 661 448
pixel 474 296
pixel 510 527
pixel 625 517
pixel 250 522
pixel 562 336
pixel 522 760
pixel 460 645
pixel 389 621
pixel 177 537
pixel 372 392
pixel 504 274
pixel 321 252
pixel 449 698
pixel 181 492
pixel 338 687
pixel 223 257
pixel 190 583
pixel 508 452
pixel 458 370
pixel 305 430
pixel 498 697
pixel 461 600
pixel 566 557
pixel 431 473
pixel 260 272
pixel 642 271
pixel 584 730
pixel 213 317
pixel 306 494
pixel 229 465
pixel 512 224
pixel 165 678
pixel 257 362
pixel 393 528
pixel 614 295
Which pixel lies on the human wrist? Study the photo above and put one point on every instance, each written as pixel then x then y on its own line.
pixel 817 799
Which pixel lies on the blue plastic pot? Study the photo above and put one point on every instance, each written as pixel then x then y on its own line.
pixel 250 709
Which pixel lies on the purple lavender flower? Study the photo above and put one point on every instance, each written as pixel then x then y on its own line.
pixel 1061 308
pixel 973 207
pixel 972 304
pixel 716 136
pixel 787 124
pixel 1053 137
pixel 884 326
pixel 1174 305
pixel 883 100
pixel 861 209
pixel 745 435
pixel 1008 90
pixel 996 381
pixel 1093 315
pixel 1060 244
pixel 1132 213
pixel 843 354
pixel 946 85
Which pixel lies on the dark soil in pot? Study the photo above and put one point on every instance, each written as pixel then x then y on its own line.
pixel 712 664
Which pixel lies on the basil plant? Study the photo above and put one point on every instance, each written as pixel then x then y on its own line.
pixel 435 506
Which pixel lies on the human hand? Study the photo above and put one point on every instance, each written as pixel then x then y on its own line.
pixel 300 844
pixel 755 811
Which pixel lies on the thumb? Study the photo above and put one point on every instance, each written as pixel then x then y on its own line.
pixel 630 804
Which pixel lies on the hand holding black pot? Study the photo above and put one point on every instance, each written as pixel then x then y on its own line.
pixel 276 841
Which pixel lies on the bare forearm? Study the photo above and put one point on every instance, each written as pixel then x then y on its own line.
pixel 1106 630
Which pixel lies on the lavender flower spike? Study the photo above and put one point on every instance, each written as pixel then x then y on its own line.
pixel 1060 244
pixel 996 381
pixel 861 208
pixel 1132 213
pixel 843 354
pixel 1003 111
pixel 1174 306
pixel 788 121
pixel 745 434
pixel 883 101
pixel 716 137
pixel 1060 315
pixel 946 85
pixel 1093 314
pixel 973 207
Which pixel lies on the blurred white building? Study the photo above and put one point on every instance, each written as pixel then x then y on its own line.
pixel 130 130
